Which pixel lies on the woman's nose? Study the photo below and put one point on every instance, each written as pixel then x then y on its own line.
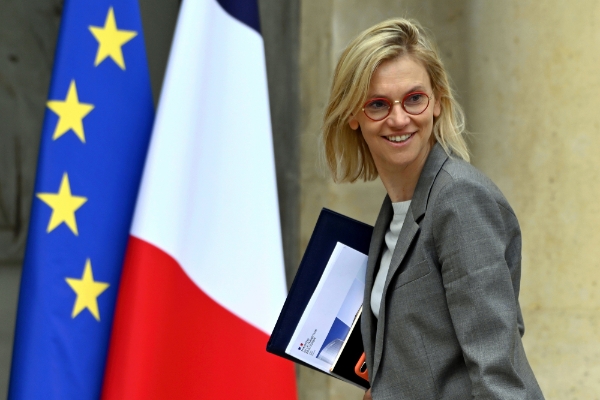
pixel 398 117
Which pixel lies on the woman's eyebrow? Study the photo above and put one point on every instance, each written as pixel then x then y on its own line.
pixel 374 96
pixel 416 88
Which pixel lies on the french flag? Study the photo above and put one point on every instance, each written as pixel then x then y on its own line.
pixel 203 279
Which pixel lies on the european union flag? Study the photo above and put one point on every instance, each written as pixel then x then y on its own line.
pixel 94 140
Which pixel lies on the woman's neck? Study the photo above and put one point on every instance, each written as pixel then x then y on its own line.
pixel 400 182
pixel 399 188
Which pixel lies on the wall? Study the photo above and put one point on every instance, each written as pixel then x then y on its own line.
pixel 534 91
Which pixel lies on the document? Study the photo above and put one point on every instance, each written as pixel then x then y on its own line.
pixel 319 324
pixel 331 310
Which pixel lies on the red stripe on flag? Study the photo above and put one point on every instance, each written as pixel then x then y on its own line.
pixel 171 341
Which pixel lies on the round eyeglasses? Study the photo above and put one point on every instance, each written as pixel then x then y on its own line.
pixel 379 108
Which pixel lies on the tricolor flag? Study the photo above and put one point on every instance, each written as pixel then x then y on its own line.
pixel 93 145
pixel 203 280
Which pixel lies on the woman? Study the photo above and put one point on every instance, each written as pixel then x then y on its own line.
pixel 441 313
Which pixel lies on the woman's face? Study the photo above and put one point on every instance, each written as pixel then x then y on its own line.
pixel 400 142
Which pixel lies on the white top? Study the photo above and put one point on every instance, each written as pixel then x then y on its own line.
pixel 391 238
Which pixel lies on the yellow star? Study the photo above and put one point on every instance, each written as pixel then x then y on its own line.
pixel 63 205
pixel 110 39
pixel 70 113
pixel 87 290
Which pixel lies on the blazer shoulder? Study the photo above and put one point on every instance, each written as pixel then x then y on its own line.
pixel 467 179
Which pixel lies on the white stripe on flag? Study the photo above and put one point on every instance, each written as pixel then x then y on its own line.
pixel 208 196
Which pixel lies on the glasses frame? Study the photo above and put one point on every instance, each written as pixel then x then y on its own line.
pixel 394 102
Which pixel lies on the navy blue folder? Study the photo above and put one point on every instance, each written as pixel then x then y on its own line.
pixel 331 228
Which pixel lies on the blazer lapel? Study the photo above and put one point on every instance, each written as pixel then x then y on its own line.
pixel 409 230
pixel 381 225
pixel 368 320
pixel 437 157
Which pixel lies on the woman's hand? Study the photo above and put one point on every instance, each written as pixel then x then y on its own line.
pixel 367 395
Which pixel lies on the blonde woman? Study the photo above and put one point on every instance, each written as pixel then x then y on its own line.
pixel 441 316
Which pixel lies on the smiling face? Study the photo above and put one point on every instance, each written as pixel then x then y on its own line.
pixel 400 143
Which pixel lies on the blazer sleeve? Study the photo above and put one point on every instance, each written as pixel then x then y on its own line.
pixel 471 239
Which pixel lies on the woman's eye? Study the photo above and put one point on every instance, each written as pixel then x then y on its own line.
pixel 414 98
pixel 377 105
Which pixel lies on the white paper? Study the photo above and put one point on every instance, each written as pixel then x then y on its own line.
pixel 330 312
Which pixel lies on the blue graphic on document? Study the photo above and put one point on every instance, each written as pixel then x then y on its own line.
pixel 341 325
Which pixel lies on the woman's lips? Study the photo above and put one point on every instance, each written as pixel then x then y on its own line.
pixel 399 138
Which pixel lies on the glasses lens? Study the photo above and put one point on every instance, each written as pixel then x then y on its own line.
pixel 415 103
pixel 377 109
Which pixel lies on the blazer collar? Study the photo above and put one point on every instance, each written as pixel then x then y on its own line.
pixel 435 160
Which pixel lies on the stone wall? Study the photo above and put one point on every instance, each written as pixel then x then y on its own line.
pixel 534 92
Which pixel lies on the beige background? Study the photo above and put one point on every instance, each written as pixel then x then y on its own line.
pixel 528 74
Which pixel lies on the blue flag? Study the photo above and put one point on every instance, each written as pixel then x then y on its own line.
pixel 95 135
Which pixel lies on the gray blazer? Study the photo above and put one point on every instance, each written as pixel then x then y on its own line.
pixel 450 323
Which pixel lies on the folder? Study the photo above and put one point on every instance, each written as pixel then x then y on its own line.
pixel 330 230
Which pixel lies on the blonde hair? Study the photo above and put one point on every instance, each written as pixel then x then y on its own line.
pixel 346 152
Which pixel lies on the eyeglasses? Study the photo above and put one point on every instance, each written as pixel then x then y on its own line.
pixel 414 103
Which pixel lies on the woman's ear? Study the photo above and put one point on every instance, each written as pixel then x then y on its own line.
pixel 353 122
pixel 437 108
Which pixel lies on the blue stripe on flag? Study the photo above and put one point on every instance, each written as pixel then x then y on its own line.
pixel 94 140
pixel 246 11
